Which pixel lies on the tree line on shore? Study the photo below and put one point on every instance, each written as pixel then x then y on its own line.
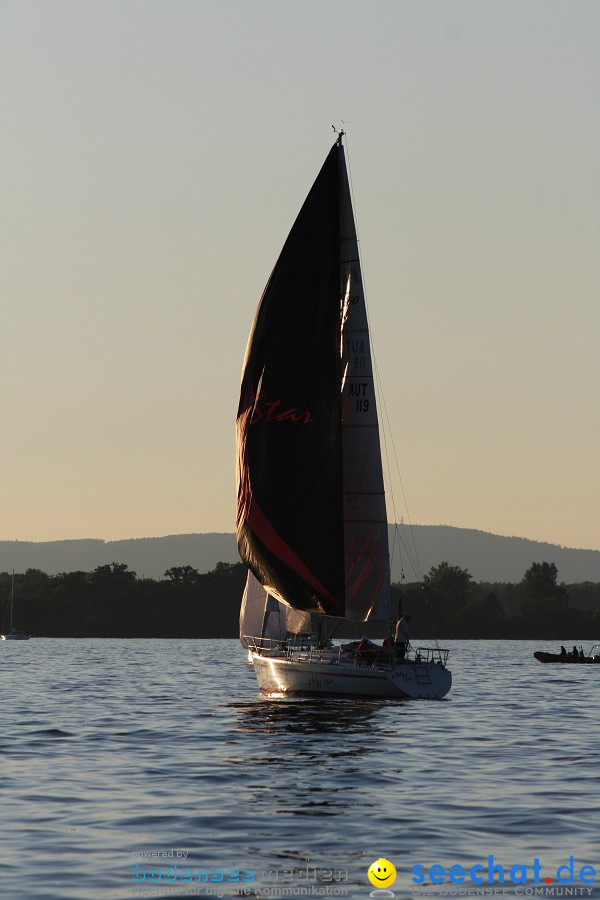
pixel 113 602
pixel 448 604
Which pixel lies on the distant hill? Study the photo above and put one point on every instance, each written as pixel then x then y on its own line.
pixel 492 557
pixel 488 557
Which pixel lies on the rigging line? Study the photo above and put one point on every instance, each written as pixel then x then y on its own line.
pixel 397 534
pixel 430 618
pixel 364 292
pixel 377 379
pixel 416 568
pixel 371 341
pixel 413 558
pixel 379 386
pixel 415 563
pixel 407 550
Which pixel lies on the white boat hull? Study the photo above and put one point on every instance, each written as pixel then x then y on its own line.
pixel 408 680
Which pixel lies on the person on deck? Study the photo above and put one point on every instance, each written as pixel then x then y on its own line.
pixel 402 636
pixel 366 651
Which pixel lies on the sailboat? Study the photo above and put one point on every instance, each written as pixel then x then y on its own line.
pixel 12 634
pixel 311 516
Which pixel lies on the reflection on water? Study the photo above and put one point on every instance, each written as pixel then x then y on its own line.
pixel 310 715
pixel 321 750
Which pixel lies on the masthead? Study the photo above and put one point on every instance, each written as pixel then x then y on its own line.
pixel 340 133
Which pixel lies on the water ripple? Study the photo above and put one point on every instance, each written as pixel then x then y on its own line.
pixel 111 748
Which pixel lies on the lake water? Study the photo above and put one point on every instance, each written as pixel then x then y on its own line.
pixel 115 749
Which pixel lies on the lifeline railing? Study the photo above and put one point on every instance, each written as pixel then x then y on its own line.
pixel 305 647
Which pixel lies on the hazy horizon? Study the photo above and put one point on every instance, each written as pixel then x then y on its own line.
pixel 155 155
pixel 487 557
pixel 231 531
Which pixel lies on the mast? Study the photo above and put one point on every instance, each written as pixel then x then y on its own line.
pixel 12 599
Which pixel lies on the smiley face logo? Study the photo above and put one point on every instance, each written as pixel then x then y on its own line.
pixel 382 873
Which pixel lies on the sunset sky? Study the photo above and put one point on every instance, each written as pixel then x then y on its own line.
pixel 154 156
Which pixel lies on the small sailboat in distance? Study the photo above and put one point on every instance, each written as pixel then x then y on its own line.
pixel 311 515
pixel 11 634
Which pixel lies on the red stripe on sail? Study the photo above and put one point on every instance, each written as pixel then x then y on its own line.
pixel 250 513
pixel 365 565
pixel 244 498
pixel 266 533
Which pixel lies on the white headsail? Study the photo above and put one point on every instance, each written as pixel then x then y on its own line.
pixel 263 616
pixel 366 550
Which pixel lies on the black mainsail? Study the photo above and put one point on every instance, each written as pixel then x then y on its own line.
pixel 311 518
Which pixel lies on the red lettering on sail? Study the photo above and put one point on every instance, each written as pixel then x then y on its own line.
pixel 273 410
pixel 273 413
pixel 270 411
